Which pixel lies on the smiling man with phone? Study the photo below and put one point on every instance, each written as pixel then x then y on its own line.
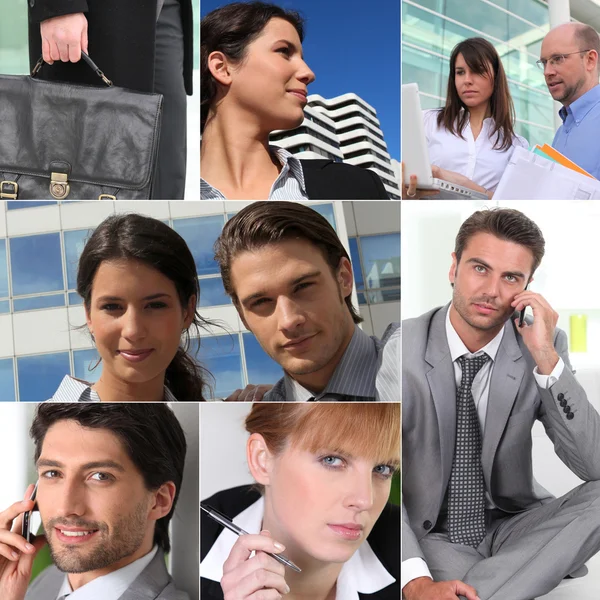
pixel 109 477
pixel 475 522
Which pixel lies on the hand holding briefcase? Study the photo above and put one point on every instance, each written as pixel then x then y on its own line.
pixel 75 142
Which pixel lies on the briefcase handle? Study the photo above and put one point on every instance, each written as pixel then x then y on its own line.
pixel 86 58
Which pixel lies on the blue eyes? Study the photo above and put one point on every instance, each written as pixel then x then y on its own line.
pixel 337 463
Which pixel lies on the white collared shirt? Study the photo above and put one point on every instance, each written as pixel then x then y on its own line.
pixel 363 573
pixel 476 159
pixel 111 586
pixel 76 390
pixel 289 184
pixel 417 567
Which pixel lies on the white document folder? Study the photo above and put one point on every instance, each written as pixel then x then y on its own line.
pixel 530 176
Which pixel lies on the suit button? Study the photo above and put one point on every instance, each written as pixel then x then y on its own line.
pixel 427 525
pixel 567 409
pixel 570 416
pixel 563 402
pixel 560 396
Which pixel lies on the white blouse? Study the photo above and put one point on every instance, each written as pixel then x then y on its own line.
pixel 474 158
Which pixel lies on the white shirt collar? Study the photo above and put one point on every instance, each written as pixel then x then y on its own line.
pixel 111 586
pixel 363 573
pixel 458 348
pixel 77 390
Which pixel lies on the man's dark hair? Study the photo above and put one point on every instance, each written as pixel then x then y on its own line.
pixel 270 222
pixel 230 29
pixel 149 432
pixel 506 224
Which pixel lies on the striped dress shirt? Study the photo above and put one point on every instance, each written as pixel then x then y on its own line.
pixel 288 186
pixel 75 390
pixel 388 376
pixel 353 379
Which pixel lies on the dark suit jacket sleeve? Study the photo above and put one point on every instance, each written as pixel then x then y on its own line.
pixel 40 10
pixel 576 440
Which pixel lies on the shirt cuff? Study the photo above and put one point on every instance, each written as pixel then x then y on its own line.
pixel 413 568
pixel 547 381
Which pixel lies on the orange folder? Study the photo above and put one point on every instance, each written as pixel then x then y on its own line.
pixel 562 159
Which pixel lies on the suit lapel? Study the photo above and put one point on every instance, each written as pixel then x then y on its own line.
pixel 150 582
pixel 507 375
pixel 443 388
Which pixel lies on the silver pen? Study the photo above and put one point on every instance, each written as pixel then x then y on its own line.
pixel 220 518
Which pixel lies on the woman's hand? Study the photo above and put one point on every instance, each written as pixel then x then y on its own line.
pixel 412 191
pixel 16 555
pixel 458 179
pixel 258 578
pixel 64 37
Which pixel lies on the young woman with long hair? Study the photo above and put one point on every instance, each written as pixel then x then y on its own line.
pixel 472 137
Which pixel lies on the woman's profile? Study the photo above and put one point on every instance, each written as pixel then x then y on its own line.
pixel 139 285
pixel 254 81
pixel 471 138
pixel 323 473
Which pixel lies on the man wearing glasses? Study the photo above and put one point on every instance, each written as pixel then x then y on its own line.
pixel 569 59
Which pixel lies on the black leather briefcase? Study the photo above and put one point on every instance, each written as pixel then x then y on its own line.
pixel 76 142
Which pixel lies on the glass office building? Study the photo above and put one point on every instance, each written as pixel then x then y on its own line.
pixel 431 28
pixel 42 321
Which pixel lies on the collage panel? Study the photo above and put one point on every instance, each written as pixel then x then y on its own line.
pixel 308 503
pixel 126 78
pixel 102 500
pixel 149 300
pixel 501 99
pixel 293 108
pixel 500 399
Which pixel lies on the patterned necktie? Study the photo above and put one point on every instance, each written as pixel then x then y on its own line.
pixel 466 488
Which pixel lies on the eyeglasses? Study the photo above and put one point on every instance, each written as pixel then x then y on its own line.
pixel 557 59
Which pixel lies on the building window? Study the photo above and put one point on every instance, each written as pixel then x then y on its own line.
pixel 200 234
pixel 7 380
pixel 220 354
pixel 3 270
pixel 39 376
pixel 376 267
pixel 261 368
pixel 18 204
pixel 212 292
pixel 84 362
pixel 74 245
pixel 36 264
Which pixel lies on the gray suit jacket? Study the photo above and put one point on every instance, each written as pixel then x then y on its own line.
pixel 153 583
pixel 515 402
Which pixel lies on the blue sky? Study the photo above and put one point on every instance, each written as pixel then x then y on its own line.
pixel 352 46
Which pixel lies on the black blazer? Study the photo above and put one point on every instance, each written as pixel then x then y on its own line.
pixel 384 539
pixel 121 37
pixel 329 180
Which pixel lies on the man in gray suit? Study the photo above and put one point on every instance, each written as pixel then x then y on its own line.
pixel 109 477
pixel 475 522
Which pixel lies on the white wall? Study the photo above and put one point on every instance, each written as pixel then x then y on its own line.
pixel 223 447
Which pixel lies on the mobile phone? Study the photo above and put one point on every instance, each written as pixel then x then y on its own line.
pixel 522 313
pixel 26 527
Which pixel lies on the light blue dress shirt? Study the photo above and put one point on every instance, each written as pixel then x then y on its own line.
pixel 578 138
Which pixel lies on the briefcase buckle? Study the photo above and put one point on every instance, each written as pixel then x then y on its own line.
pixel 106 197
pixel 9 189
pixel 59 185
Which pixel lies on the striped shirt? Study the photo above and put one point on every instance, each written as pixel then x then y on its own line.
pixel 388 376
pixel 289 185
pixel 353 379
pixel 76 390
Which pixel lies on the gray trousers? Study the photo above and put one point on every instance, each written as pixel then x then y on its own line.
pixel 526 555
pixel 169 183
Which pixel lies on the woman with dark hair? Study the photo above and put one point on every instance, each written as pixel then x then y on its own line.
pixel 139 285
pixel 323 475
pixel 254 81
pixel 471 138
